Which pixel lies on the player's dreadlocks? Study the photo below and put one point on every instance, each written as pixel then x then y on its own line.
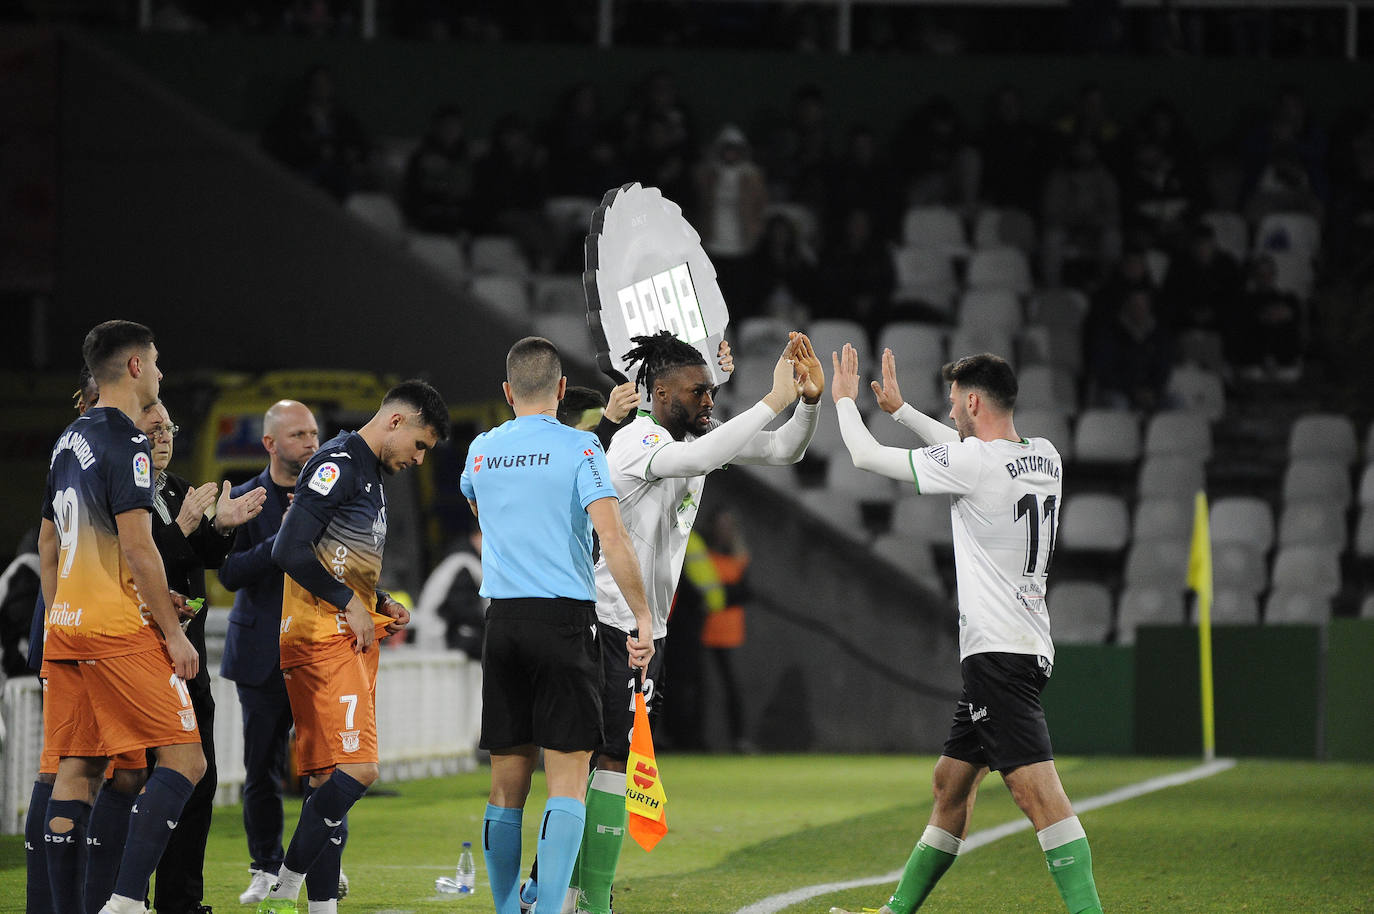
pixel 659 353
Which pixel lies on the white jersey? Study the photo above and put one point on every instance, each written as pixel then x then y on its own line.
pixel 1005 514
pixel 658 513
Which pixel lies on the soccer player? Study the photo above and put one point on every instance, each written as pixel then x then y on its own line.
pixel 659 463
pixel 113 684
pixel 539 487
pixel 330 547
pixel 1006 496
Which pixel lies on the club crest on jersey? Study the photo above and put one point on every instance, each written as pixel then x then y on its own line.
pixel 651 439
pixel 326 474
pixel 143 476
pixel 188 719
pixel 477 463
pixel 349 738
pixel 940 454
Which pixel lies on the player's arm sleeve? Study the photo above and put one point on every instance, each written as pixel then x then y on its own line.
pixel 593 475
pixel 301 529
pixel 928 429
pixel 606 429
pixel 788 444
pixel 702 455
pixel 247 562
pixel 864 449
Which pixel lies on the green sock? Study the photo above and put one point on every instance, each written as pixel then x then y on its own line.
pixel 601 839
pixel 1071 865
pixel 935 852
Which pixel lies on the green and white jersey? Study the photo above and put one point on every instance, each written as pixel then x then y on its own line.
pixel 658 513
pixel 1005 513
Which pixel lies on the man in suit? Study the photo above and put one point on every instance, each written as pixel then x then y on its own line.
pixel 290 436
pixel 193 527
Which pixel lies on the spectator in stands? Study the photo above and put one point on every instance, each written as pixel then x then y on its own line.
pixel 658 128
pixel 1013 154
pixel 1284 186
pixel 1159 200
pixel 798 157
pixel 783 272
pixel 1203 285
pixel 583 160
pixel 438 189
pixel 451 611
pixel 858 278
pixel 1130 358
pixel 314 135
pixel 1089 120
pixel 731 195
pixel 1081 214
pixel 863 178
pixel 1266 337
pixel 936 155
pixel 511 186
pixel 1285 159
pixel 20 589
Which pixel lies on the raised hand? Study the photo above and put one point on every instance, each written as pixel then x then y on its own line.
pixel 786 387
pixel 846 374
pixel 198 501
pixel 230 512
pixel 888 394
pixel 809 369
pixel 724 359
pixel 622 401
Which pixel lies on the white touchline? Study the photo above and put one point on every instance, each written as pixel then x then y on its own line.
pixel 775 903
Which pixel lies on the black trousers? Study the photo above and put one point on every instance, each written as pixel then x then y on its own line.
pixel 180 882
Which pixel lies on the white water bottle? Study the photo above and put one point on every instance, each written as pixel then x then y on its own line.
pixel 466 876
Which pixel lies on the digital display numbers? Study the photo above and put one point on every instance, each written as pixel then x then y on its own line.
pixel 664 301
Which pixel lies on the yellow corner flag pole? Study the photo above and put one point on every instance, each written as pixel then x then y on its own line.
pixel 1200 582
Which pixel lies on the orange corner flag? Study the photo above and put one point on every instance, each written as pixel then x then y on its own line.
pixel 644 797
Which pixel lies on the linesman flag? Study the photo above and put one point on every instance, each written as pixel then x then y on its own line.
pixel 644 798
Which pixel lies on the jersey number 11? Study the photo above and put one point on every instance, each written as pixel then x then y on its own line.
pixel 1029 507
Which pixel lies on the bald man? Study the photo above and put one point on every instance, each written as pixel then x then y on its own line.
pixel 290 436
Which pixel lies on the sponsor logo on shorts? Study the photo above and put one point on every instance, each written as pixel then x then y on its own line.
pixel 349 739
pixel 143 476
pixel 326 474
pixel 188 719
pixel 978 714
pixel 651 439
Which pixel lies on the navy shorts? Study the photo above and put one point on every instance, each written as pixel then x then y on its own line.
pixel 618 697
pixel 998 721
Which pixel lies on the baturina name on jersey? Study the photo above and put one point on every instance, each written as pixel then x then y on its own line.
pixel 1033 464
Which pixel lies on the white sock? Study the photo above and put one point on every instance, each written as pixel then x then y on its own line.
pixel 1060 833
pixel 121 904
pixel 941 840
pixel 323 907
pixel 288 884
pixel 569 901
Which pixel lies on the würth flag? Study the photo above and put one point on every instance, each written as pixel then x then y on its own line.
pixel 644 798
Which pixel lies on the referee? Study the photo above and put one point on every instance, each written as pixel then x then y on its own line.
pixel 542 487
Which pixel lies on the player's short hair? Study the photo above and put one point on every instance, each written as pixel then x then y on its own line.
pixel 109 344
pixel 986 373
pixel 425 400
pixel 533 368
pixel 659 354
pixel 576 401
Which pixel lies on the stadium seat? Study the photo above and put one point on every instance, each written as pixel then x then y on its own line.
pixel 1045 387
pixel 969 339
pixel 1365 494
pixel 999 268
pixel 1060 345
pixel 760 335
pixel 1093 522
pixel 1158 563
pixel 379 211
pixel 1059 307
pixel 1049 424
pixel 1143 604
pixel 1367 607
pixel 510 296
pixel 559 293
pixel 1178 433
pixel 569 332
pixel 934 228
pixel 924 276
pixel 1080 612
pixel 826 443
pixel 1231 607
pixel 1317 479
pixel 1299 233
pixel 570 215
pixel 1232 233
pixel 1325 436
pixel 1199 390
pixel 924 518
pixel 842 476
pixel 911 556
pixel 1169 519
pixel 829 336
pixel 1286 606
pixel 1179 476
pixel 999 309
pixel 1312 523
pixel 1242 519
pixel 499 255
pixel 1107 436
pixel 840 510
pixel 1312 568
pixel 921 346
pixel 996 228
pixel 1239 567
pixel 889 432
pixel 441 252
pixel 1363 546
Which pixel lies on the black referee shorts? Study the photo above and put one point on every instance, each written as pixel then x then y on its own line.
pixel 618 696
pixel 541 675
pixel 998 721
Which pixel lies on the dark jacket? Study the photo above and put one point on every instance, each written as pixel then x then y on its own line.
pixel 252 651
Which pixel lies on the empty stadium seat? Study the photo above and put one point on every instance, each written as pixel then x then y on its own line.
pixel 923 517
pixel 1363 545
pixel 499 255
pixel 1231 607
pixel 995 308
pixel 1169 519
pixel 842 476
pixel 1365 493
pixel 379 211
pixel 765 335
pixel 441 252
pixel 1045 387
pixel 569 332
pixel 1239 567
pixel 1324 436
pixel 1060 345
pixel 1199 390
pixel 1080 612
pixel 1242 519
pixel 1178 433
pixel 1093 522
pixel 914 343
pixel 1312 523
pixel 970 339
pixel 1059 307
pixel 1005 228
pixel 1285 606
pixel 559 293
pixel 999 268
pixel 1048 424
pixel 1157 563
pixel 1311 568
pixel 1107 436
pixel 1317 479
pixel 924 276
pixel 510 296
pixel 829 336
pixel 1367 607
pixel 1143 604
pixel 1161 476
pixel 935 228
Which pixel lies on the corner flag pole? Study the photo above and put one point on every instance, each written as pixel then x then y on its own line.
pixel 1200 581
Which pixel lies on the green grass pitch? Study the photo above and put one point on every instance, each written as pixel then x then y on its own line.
pixel 1262 837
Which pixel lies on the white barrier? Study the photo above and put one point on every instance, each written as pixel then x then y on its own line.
pixel 428 718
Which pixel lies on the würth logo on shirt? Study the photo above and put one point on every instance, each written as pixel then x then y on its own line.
pixel 518 460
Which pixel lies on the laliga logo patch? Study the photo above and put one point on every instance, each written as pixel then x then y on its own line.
pixel 940 454
pixel 143 476
pixel 326 474
pixel 349 738
pixel 477 463
pixel 650 439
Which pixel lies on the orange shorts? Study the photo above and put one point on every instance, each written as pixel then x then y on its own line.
pixel 334 702
pixel 116 705
pixel 132 760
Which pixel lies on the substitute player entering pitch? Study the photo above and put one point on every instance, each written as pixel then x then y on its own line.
pixel 1006 495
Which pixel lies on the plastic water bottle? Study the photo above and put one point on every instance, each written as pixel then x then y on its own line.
pixel 466 876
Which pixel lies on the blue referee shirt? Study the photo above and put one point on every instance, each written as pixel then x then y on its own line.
pixel 533 478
